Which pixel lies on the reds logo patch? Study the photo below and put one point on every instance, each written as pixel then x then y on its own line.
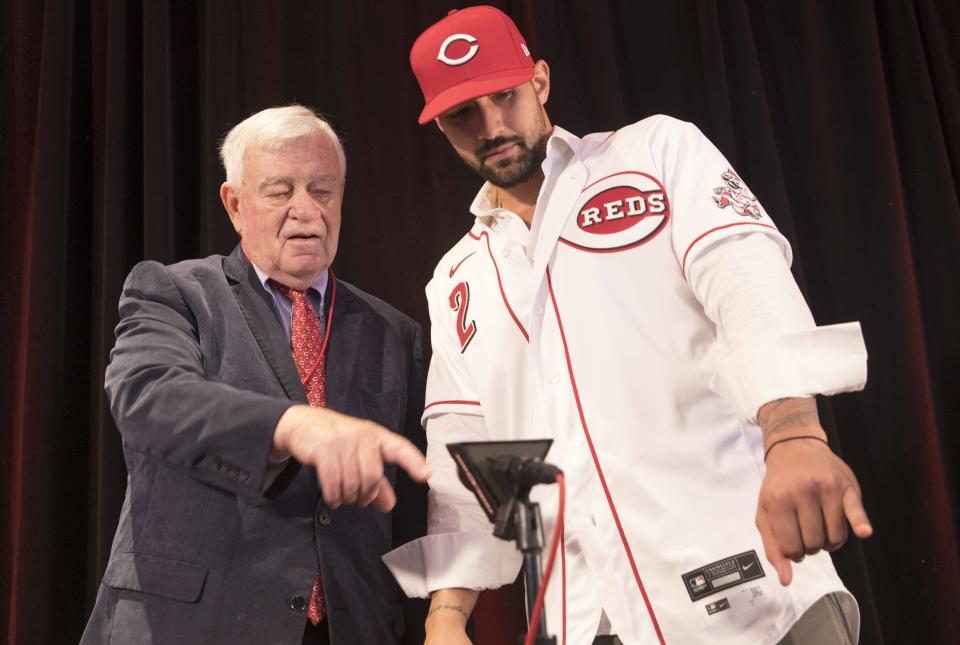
pixel 618 212
pixel 734 193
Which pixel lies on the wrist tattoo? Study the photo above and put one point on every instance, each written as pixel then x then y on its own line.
pixel 456 608
pixel 791 420
pixel 787 414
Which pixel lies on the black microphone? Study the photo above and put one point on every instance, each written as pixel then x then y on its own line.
pixel 525 471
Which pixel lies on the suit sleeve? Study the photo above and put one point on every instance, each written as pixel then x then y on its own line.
pixel 163 402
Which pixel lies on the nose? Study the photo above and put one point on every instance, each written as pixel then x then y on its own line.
pixel 303 206
pixel 490 118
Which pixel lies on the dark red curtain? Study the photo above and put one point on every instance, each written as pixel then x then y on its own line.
pixel 844 117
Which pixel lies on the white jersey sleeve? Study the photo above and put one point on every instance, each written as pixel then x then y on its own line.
pixel 770 347
pixel 449 386
pixel 459 549
pixel 708 198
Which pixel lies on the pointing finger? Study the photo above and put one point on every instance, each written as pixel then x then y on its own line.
pixel 855 513
pixel 776 558
pixel 402 452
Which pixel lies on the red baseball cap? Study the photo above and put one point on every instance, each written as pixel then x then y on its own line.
pixel 470 53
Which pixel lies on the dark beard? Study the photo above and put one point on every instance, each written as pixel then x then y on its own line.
pixel 512 172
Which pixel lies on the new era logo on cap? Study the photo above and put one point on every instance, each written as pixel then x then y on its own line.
pixel 470 53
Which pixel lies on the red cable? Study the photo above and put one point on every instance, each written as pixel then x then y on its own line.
pixel 554 543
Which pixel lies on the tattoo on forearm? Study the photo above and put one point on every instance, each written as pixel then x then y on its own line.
pixel 456 608
pixel 800 418
pixel 805 414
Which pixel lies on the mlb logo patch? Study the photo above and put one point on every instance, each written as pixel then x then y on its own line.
pixel 697 582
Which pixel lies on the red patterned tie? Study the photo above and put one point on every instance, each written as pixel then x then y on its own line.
pixel 306 343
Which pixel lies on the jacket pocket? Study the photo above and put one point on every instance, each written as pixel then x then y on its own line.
pixel 157 575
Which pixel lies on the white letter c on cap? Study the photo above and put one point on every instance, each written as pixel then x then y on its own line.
pixel 442 56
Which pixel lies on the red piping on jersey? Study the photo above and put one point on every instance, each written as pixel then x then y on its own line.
pixel 596 463
pixel 563 579
pixel 683 265
pixel 454 269
pixel 503 294
pixel 450 403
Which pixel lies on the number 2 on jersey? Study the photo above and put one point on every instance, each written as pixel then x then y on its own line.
pixel 459 301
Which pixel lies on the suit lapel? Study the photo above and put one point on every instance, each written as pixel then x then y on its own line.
pixel 257 308
pixel 343 348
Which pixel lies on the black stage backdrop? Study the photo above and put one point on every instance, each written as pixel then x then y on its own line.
pixel 844 117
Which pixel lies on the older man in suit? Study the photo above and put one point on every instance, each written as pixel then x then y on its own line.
pixel 264 407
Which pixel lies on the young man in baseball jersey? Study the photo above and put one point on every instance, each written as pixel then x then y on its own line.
pixel 627 296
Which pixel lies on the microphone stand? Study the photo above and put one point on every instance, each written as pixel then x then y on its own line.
pixel 519 519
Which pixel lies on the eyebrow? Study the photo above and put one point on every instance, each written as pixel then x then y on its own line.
pixel 273 181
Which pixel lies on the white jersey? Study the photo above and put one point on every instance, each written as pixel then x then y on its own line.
pixel 586 330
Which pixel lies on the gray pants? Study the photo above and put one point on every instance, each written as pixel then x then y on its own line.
pixel 823 624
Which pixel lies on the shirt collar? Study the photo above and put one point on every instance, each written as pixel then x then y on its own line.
pixel 319 285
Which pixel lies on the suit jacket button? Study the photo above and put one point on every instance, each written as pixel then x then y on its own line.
pixel 296 603
pixel 324 518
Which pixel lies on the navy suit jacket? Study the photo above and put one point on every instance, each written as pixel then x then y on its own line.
pixel 204 551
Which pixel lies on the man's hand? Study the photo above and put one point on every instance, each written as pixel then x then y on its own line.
pixel 348 454
pixel 808 494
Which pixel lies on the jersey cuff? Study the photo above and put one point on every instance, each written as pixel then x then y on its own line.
pixel 823 360
pixel 453 560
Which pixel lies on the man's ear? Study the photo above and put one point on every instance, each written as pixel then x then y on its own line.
pixel 541 80
pixel 231 203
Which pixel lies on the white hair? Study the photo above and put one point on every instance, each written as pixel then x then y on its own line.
pixel 272 129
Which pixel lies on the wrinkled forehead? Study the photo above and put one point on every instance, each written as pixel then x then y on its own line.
pixel 316 145
pixel 293 153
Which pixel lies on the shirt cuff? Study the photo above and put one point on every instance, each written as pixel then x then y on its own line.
pixel 453 560
pixel 823 360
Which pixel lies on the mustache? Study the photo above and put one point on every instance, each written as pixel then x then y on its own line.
pixel 496 143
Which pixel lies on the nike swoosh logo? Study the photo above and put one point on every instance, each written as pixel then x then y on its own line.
pixel 748 565
pixel 454 269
